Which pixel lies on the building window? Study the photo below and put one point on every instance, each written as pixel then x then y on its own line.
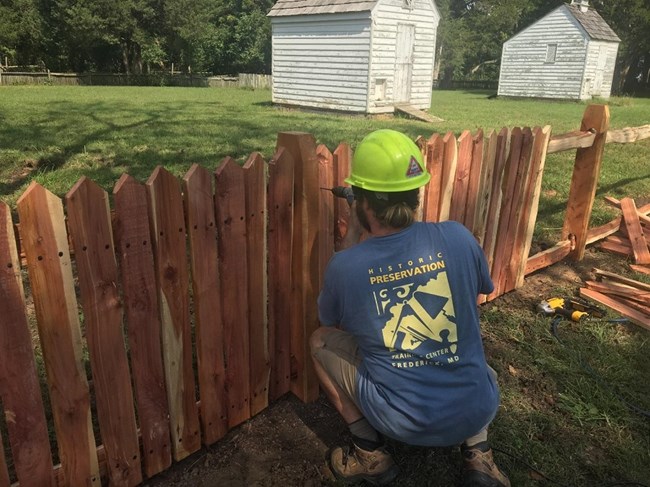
pixel 380 90
pixel 551 52
pixel 408 4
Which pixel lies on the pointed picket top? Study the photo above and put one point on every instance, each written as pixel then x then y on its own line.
pixel 124 182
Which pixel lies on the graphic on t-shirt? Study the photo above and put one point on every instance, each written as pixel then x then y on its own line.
pixel 422 316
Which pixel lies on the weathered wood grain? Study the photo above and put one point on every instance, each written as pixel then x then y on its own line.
pixel 50 273
pixel 632 314
pixel 628 134
pixel 90 227
pixel 342 160
pixel 134 253
pixel 280 238
pixel 168 237
pixel 208 324
pixel 461 177
pixel 230 209
pixel 548 257
pixel 20 391
pixel 256 230
pixel 475 183
pixel 327 203
pixel 571 140
pixel 434 162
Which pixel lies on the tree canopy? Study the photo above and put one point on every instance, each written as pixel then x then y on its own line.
pixel 229 36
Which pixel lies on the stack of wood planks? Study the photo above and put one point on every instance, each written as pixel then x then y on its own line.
pixel 631 236
pixel 625 296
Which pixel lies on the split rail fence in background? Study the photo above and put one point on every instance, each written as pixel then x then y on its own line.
pixel 219 274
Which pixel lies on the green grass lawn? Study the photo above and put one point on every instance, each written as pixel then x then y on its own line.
pixel 56 134
pixel 554 415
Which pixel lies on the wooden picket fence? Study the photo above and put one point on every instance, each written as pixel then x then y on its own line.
pixel 219 273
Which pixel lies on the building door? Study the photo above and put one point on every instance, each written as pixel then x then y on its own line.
pixel 600 71
pixel 404 62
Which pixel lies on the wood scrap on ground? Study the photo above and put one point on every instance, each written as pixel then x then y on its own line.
pixel 627 297
pixel 631 238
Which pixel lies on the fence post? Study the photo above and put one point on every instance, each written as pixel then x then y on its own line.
pixel 304 271
pixel 584 181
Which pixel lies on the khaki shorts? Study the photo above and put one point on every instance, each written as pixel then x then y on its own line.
pixel 340 358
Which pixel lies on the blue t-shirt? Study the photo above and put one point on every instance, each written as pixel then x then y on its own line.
pixel 409 298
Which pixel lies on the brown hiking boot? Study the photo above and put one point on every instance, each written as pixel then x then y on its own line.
pixel 354 464
pixel 480 469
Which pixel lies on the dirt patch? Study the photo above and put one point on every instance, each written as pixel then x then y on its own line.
pixel 286 445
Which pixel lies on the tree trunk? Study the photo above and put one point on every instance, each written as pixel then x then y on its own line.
pixel 125 56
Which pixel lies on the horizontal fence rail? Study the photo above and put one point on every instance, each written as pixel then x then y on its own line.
pixel 190 301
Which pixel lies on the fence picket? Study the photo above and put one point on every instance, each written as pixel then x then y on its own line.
pixel 485 185
pixel 342 160
pixel 202 232
pixel 530 202
pixel 255 184
pixel 475 183
pixel 434 162
pixel 280 250
pixel 50 274
pixel 449 162
pixel 302 147
pixel 90 228
pixel 496 196
pixel 457 210
pixel 327 204
pixel 230 204
pixel 135 256
pixel 168 222
pixel 19 385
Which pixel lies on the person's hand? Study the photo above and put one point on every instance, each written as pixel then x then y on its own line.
pixel 354 229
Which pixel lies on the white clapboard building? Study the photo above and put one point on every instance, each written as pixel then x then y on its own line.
pixel 570 53
pixel 353 55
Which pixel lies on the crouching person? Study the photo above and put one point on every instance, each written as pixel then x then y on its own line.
pixel 400 353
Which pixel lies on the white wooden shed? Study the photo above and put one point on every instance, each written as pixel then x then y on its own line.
pixel 354 55
pixel 570 53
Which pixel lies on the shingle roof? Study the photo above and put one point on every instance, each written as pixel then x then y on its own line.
pixel 306 7
pixel 594 24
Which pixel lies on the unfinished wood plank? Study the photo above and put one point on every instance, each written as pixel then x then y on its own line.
pixel 20 391
pixel 485 186
pixel 618 289
pixel 635 232
pixel 457 209
pixel 327 203
pixel 642 307
pixel 503 245
pixel 449 162
pixel 628 134
pixel 616 247
pixel 280 237
pixel 633 315
pixel 496 195
pixel 475 180
pixel 208 323
pixel 434 162
pixel 342 158
pixel 255 184
pixel 584 180
pixel 530 202
pixel 90 227
pixel 548 257
pixel 302 147
pixel 520 206
pixel 577 139
pixel 615 277
pixel 640 269
pixel 168 225
pixel 598 233
pixel 134 251
pixel 230 205
pixel 50 273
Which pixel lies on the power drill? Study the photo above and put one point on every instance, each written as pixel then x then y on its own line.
pixel 342 192
pixel 573 309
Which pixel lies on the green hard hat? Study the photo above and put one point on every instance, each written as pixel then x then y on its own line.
pixel 387 161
